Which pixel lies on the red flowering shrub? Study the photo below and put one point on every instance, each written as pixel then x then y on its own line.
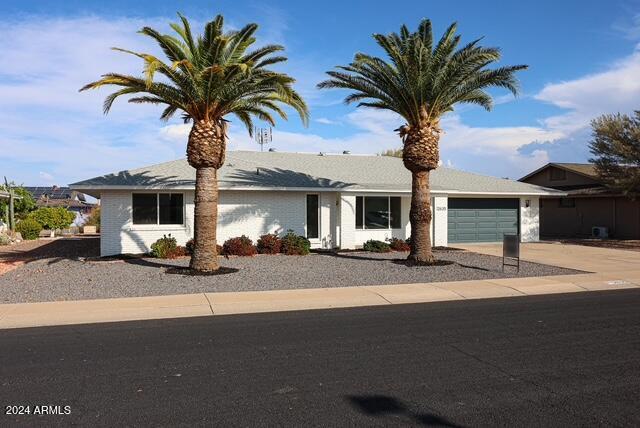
pixel 241 246
pixel 176 252
pixel 399 245
pixel 190 245
pixel 269 244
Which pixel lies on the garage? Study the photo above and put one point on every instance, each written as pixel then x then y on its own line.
pixel 481 220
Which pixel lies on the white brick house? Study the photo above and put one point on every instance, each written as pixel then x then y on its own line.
pixel 337 201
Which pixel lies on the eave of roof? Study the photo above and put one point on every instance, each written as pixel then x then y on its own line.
pixel 576 168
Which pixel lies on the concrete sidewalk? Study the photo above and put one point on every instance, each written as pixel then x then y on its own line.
pixel 612 271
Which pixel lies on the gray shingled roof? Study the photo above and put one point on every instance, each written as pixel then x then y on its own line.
pixel 279 170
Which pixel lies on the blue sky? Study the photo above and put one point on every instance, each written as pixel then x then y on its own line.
pixel 584 60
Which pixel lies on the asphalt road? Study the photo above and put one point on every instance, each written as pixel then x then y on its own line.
pixel 562 360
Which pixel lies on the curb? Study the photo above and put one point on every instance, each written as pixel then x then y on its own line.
pixel 21 315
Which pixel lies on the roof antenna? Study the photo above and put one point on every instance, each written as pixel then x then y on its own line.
pixel 262 136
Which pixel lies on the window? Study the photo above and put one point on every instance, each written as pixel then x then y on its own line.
pixel 394 213
pixel 171 211
pixel 145 208
pixel 313 218
pixel 557 174
pixel 158 208
pixel 378 212
pixel 567 203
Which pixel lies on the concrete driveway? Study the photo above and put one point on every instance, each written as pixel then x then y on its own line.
pixel 591 259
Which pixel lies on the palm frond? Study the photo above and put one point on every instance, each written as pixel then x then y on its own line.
pixel 209 76
pixel 422 80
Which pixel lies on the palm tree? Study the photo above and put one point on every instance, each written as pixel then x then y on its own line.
pixel 421 83
pixel 208 78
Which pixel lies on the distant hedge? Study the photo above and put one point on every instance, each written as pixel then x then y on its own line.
pixel 53 218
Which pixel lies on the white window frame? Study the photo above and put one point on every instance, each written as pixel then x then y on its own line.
pixel 157 223
pixel 306 234
pixel 364 204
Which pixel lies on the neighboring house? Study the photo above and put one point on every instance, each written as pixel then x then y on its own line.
pixel 588 203
pixel 335 200
pixel 55 196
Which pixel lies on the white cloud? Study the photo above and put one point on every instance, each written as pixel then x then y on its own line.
pixel 494 150
pixel 629 27
pixel 46 176
pixel 496 140
pixel 325 121
pixel 49 131
pixel 616 89
pixel 47 68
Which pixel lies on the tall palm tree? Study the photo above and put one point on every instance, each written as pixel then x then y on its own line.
pixel 208 78
pixel 421 82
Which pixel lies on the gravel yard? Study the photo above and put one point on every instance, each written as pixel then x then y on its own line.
pixel 58 271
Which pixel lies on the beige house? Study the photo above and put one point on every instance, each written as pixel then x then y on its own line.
pixel 589 209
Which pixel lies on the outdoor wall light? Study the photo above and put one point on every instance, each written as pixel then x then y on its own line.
pixel 527 203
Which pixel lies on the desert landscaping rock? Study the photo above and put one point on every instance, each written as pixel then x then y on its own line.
pixel 64 274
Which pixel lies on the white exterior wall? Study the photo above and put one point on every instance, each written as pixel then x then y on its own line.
pixel 530 219
pixel 347 215
pixel 256 213
pixel 250 213
pixel 440 218
pixel 119 236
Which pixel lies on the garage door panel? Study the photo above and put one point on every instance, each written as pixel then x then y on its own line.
pixel 465 214
pixel 463 226
pixel 491 225
pixel 487 214
pixel 488 237
pixel 481 220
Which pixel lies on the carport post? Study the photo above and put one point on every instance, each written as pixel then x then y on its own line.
pixel 11 217
pixel 10 211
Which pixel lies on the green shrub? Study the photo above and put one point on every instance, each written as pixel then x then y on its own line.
pixel 4 239
pixel 240 246
pixel 399 245
pixel 53 218
pixel 294 245
pixel 376 246
pixel 21 207
pixel 29 228
pixel 269 244
pixel 164 247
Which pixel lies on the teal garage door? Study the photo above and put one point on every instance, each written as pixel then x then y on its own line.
pixel 481 220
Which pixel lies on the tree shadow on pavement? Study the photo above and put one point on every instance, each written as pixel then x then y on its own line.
pixel 383 406
pixel 76 248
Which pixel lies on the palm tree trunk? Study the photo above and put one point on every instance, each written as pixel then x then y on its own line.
pixel 420 218
pixel 206 153
pixel 205 257
pixel 420 155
